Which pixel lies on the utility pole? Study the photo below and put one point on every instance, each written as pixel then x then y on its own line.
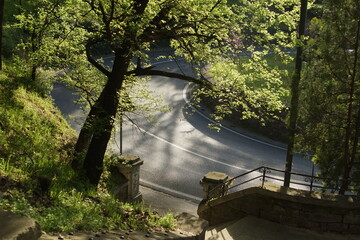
pixel 295 93
pixel 121 133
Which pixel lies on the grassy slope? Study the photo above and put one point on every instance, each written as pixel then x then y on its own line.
pixel 35 177
pixel 33 135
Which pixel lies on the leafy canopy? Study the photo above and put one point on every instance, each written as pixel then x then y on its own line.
pixel 330 109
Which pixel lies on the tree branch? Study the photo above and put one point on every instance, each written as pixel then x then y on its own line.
pixel 151 72
pixel 94 62
pixel 140 6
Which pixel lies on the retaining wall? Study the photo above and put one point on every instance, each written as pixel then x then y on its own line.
pixel 315 211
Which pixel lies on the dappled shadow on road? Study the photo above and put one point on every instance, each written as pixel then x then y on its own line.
pixel 256 150
pixel 183 149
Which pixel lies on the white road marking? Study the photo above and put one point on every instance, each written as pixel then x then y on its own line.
pixel 169 191
pixel 223 127
pixel 191 152
pixel 179 147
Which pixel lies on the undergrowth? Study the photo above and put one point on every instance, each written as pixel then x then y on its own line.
pixel 36 179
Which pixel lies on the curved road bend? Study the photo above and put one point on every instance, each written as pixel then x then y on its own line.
pixel 181 149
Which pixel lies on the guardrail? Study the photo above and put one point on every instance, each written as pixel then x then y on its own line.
pixel 310 183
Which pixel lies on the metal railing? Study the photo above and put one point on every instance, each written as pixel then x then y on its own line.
pixel 263 174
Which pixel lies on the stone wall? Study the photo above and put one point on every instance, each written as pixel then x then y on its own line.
pixel 315 211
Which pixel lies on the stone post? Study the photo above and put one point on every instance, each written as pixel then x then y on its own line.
pixel 129 166
pixel 212 180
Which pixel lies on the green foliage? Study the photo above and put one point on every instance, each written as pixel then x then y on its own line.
pixel 35 148
pixel 200 31
pixel 330 109
pixel 255 81
pixel 33 135
pixel 251 91
pixel 17 203
pixel 11 36
pixel 167 221
pixel 74 210
pixel 45 38
pixel 136 96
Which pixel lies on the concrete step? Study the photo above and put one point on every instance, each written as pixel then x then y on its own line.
pixel 253 228
pixel 212 233
pixel 217 232
pixel 15 227
pixel 189 223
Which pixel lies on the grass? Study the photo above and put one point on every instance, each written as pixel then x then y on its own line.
pixel 75 210
pixel 35 173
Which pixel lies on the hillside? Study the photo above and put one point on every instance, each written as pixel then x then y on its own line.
pixel 36 179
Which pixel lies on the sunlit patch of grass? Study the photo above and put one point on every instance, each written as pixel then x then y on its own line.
pixel 73 210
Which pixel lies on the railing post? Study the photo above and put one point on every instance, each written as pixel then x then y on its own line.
pixel 213 184
pixel 263 178
pixel 312 178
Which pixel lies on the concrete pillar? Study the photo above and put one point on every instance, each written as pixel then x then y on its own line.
pixel 210 181
pixel 129 166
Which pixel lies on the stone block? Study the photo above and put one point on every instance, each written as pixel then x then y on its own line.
pixel 354 229
pixel 252 209
pixel 351 218
pixel 337 227
pixel 117 184
pixel 324 227
pixel 271 216
pixel 280 209
pixel 324 218
pixel 123 181
pixel 305 223
pixel 296 210
pixel 336 211
pixel 14 227
pixel 129 166
pixel 251 204
pixel 288 220
pixel 263 203
pixel 294 213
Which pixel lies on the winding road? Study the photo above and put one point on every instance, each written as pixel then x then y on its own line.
pixel 181 148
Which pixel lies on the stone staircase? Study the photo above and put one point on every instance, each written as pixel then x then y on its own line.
pixel 253 228
pixel 217 232
pixel 319 212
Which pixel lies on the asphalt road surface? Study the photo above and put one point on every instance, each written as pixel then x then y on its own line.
pixel 181 148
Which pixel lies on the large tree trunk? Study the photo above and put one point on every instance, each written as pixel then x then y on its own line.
pixel 107 106
pixel 295 94
pixel 84 140
pixel 33 73
pixel 94 138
